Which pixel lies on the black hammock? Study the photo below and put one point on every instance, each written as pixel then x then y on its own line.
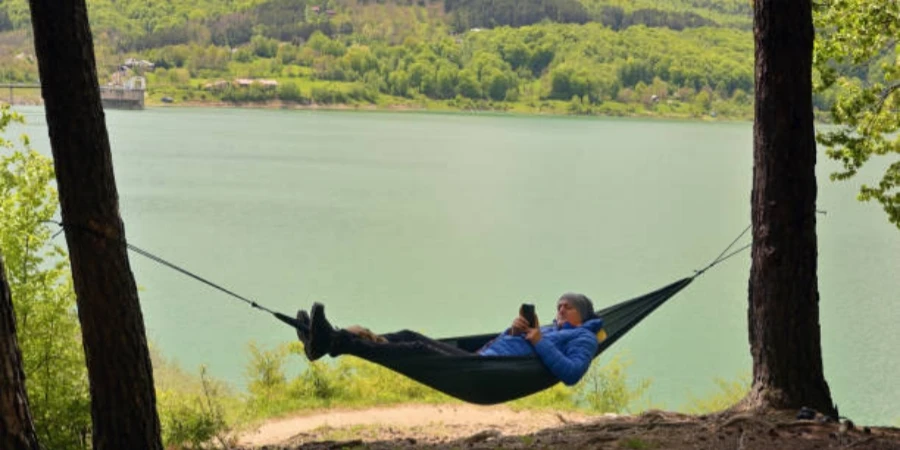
pixel 488 380
pixel 481 379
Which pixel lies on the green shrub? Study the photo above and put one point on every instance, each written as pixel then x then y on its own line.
pixel 193 408
pixel 256 92
pixel 43 297
pixel 347 382
pixel 329 95
pixel 605 388
pixel 730 392
pixel 319 381
pixel 192 419
pixel 290 92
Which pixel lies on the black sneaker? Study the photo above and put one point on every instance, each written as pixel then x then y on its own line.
pixel 806 414
pixel 320 332
pixel 303 328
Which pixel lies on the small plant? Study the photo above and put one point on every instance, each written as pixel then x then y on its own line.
pixel 194 419
pixel 605 388
pixel 270 392
pixel 730 392
pixel 637 444
pixel 319 382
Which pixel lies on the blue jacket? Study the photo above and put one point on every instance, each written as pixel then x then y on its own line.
pixel 567 351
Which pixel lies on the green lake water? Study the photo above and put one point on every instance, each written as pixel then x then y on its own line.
pixel 445 223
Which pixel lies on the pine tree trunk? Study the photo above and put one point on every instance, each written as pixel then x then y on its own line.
pixel 784 299
pixel 16 428
pixel 123 401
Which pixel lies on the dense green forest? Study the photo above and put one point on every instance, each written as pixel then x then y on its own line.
pixel 685 58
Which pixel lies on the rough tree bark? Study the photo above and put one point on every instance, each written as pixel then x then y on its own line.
pixel 784 299
pixel 123 401
pixel 16 428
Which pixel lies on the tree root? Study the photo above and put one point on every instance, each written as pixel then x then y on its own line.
pixel 747 418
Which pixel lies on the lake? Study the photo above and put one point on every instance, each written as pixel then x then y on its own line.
pixel 445 223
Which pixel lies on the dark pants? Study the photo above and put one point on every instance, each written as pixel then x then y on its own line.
pixel 401 343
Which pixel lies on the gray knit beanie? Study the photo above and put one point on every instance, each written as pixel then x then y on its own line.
pixel 581 303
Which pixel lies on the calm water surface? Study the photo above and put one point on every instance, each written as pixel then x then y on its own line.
pixel 446 223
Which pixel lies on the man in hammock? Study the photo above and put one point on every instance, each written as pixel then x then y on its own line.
pixel 566 347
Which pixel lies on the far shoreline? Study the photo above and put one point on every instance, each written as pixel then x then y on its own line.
pixel 405 108
pixel 400 108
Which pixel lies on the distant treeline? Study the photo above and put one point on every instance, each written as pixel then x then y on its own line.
pixel 617 18
pixel 283 20
pixel 141 24
pixel 468 14
pixel 287 21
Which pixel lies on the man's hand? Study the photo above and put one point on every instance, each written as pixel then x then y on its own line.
pixel 519 326
pixel 533 334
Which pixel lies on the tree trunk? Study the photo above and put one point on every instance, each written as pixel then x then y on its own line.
pixel 123 401
pixel 784 299
pixel 16 428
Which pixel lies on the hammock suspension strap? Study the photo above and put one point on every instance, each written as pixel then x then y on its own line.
pixel 724 255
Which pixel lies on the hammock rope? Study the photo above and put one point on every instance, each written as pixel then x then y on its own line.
pixel 280 316
pixel 289 320
pixel 721 258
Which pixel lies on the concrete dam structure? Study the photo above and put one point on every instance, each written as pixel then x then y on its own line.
pixel 120 97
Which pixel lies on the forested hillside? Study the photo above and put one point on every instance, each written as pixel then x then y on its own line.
pixel 615 14
pixel 673 58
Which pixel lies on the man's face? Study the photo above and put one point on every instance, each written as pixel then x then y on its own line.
pixel 565 312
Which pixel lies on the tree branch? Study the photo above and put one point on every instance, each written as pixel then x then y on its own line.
pixel 884 96
pixel 885 93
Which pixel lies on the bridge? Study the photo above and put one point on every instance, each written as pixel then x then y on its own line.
pixel 120 97
pixel 12 86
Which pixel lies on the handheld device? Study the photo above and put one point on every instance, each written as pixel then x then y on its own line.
pixel 527 312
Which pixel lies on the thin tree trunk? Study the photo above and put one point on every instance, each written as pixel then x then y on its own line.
pixel 123 401
pixel 784 299
pixel 16 428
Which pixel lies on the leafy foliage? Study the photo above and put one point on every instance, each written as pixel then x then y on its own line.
pixel 43 296
pixel 857 62
pixel 605 389
pixel 729 394
pixel 193 415
pixel 674 14
pixel 490 13
pixel 348 382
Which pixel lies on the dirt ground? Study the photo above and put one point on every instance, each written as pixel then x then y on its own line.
pixel 467 426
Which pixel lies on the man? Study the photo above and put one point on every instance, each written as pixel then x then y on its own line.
pixel 566 347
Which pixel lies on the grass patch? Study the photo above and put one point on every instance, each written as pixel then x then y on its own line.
pixel 637 444
pixel 728 394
